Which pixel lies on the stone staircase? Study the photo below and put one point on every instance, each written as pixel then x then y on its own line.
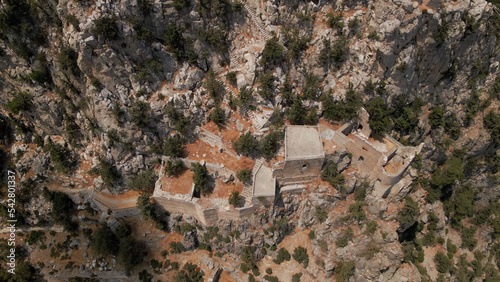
pixel 255 21
pixel 247 195
pixel 211 139
pixel 258 163
pixel 247 192
pixel 228 90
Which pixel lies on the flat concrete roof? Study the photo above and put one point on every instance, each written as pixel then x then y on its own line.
pixel 303 142
pixel 264 184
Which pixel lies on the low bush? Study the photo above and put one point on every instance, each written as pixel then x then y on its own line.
pixel 200 179
pixel 106 27
pixel 335 21
pixel 244 175
pixel 234 199
pixel 176 247
pixel 245 144
pixel 344 271
pixel 273 52
pixel 443 263
pixel 301 256
pixel 331 174
pixel 22 101
pixel 144 182
pixel 174 168
pixel 283 255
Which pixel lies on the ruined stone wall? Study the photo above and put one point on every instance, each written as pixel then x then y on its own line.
pixel 302 168
pixel 205 216
pixel 179 206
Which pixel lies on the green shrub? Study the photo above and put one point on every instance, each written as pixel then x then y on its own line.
pixel 335 21
pixel 311 88
pixel 244 175
pixel 412 252
pixel 342 110
pixel 492 123
pixel 144 182
pixel 248 258
pixel 344 271
pixel 35 237
pixel 360 192
pixel 266 85
pixel 468 240
pixel 347 236
pixel 190 273
pixel 268 145
pixel 104 242
pixel 22 101
pixel 174 168
pixel 174 146
pixel 321 214
pixel 215 37
pixel 231 77
pixel 354 23
pixel 176 247
pixel 301 256
pixel 442 33
pixel 108 172
pixel 217 115
pixel 295 43
pixel 296 277
pixel 41 71
pixel 450 247
pixel 174 41
pixel 379 115
pixel 297 112
pixel 436 117
pixel 429 239
pixel 200 179
pixel 409 213
pixel 245 96
pixel 271 278
pixel 144 69
pixel 312 235
pixel 106 27
pixel 181 123
pixel 214 87
pixel 96 84
pixel 273 51
pixel 61 157
pixel 283 255
pixel 234 199
pixel 62 207
pixel 371 227
pixel 357 212
pixel 373 35
pixel 130 253
pixel 147 208
pixel 71 19
pixel 140 114
pixel 331 174
pixel 181 4
pixel 245 144
pixel 443 263
pixel 471 26
pixel 336 52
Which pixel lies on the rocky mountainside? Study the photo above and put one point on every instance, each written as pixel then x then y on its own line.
pixel 95 94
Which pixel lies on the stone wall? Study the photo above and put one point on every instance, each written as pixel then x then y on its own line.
pixel 205 216
pixel 298 169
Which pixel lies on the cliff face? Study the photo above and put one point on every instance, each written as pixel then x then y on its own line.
pixel 112 80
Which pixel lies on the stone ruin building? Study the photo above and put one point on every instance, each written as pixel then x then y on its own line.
pixel 382 162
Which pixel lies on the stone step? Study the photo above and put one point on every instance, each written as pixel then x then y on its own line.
pixel 253 17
